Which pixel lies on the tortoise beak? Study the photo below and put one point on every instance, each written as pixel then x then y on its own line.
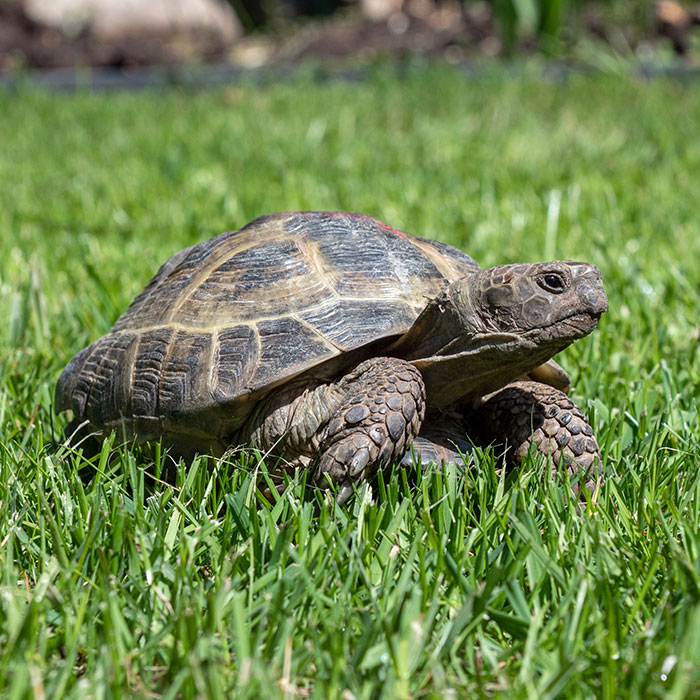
pixel 589 283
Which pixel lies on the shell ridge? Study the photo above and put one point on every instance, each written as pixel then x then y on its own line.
pixel 310 326
pixel 223 326
pixel 231 374
pixel 197 280
pixel 148 369
pixel 318 261
pixel 446 266
pixel 159 412
pixel 96 376
pixel 128 379
pixel 73 395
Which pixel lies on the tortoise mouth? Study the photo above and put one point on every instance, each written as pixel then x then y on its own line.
pixel 574 326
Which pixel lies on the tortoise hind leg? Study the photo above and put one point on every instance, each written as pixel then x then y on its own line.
pixel 442 440
pixel 381 413
pixel 527 413
pixel 521 415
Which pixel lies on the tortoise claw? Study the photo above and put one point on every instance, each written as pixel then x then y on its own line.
pixel 344 492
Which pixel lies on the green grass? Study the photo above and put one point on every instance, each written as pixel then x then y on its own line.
pixel 460 585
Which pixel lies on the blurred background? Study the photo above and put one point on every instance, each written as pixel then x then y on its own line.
pixel 123 34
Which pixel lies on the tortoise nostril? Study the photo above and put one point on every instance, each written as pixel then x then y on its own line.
pixel 597 300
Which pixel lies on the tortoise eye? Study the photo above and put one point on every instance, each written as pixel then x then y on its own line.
pixel 552 282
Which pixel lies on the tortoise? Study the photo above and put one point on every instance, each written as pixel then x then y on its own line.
pixel 343 344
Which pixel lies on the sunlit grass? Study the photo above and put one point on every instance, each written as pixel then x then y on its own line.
pixel 116 584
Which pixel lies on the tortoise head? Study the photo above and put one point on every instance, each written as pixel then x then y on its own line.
pixel 552 302
pixel 497 324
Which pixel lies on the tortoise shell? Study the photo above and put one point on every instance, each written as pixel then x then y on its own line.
pixel 231 318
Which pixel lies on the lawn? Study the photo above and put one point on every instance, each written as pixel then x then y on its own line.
pixel 462 583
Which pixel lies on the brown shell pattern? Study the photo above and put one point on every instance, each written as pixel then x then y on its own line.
pixel 250 309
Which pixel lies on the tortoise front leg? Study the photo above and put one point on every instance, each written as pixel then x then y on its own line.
pixel 443 439
pixel 381 413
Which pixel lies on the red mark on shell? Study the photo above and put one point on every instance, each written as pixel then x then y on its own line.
pixel 386 227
